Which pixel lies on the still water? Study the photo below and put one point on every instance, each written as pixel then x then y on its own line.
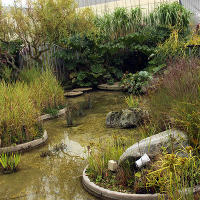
pixel 58 175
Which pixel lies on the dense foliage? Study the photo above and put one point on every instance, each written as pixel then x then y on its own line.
pixel 124 40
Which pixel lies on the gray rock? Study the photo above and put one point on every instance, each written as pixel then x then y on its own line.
pixel 127 118
pixel 171 139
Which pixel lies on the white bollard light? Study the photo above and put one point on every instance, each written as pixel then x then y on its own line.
pixel 112 165
pixel 142 161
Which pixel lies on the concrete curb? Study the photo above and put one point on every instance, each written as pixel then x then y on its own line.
pixel 26 146
pixel 35 143
pixel 49 116
pixel 113 195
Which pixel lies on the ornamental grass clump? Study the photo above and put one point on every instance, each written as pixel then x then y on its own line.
pixel 172 15
pixel 119 23
pixel 18 114
pixel 46 92
pixel 176 102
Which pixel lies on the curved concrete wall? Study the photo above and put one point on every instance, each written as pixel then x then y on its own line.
pixel 25 146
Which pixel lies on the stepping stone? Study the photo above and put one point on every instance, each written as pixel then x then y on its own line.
pixel 114 87
pixel 81 89
pixel 73 94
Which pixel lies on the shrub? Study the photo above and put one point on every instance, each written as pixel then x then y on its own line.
pixel 135 83
pixel 86 63
pixel 9 57
pixel 18 115
pixel 173 48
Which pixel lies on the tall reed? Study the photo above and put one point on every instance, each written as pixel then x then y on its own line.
pixel 172 15
pixel 46 91
pixel 18 115
pixel 119 23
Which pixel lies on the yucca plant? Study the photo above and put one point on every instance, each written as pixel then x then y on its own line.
pixel 9 162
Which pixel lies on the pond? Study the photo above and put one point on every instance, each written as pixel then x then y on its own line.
pixel 58 176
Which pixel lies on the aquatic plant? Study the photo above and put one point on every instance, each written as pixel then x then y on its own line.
pixel 69 114
pixel 9 162
pixel 110 149
pixel 132 101
pixel 29 75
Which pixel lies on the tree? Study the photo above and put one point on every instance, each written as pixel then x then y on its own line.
pixel 47 21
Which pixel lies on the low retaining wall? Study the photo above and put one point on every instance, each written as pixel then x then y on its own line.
pixel 49 116
pixel 26 146
pixel 113 195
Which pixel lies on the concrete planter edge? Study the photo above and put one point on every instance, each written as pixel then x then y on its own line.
pixel 106 194
pixel 25 146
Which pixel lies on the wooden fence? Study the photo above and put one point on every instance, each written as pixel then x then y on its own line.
pixel 49 58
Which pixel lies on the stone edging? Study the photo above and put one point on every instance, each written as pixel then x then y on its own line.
pixel 26 146
pixel 113 195
pixel 49 116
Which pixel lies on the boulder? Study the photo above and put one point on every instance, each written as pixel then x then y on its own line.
pixel 171 139
pixel 128 118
